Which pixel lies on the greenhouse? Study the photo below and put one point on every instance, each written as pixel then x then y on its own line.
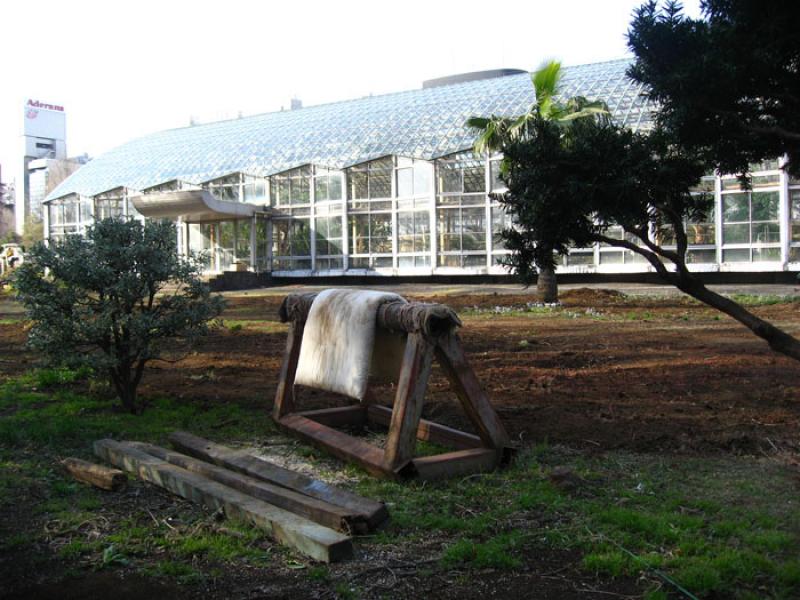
pixel 389 185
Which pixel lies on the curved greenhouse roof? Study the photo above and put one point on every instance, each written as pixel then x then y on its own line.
pixel 424 123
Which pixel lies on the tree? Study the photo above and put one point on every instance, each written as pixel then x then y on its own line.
pixel 728 85
pixel 568 194
pixel 112 299
pixel 497 132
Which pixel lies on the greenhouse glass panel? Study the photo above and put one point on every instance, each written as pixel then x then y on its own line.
pixel 736 234
pixel 580 258
pixel 794 199
pixel 765 206
pixel 701 256
pixel 734 208
pixel 359 234
pixel 243 241
pixel 405 182
pixel 766 254
pixel 300 237
pixel 736 255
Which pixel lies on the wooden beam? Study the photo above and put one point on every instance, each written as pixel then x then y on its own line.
pixel 311 508
pixel 454 464
pixel 374 512
pixel 338 444
pixel 343 416
pixel 284 396
pixel 474 400
pixel 411 386
pixel 99 476
pixel 313 540
pixel 428 430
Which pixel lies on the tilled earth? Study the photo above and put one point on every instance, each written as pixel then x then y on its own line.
pixel 603 372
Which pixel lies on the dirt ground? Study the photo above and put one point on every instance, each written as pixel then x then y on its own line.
pixel 606 372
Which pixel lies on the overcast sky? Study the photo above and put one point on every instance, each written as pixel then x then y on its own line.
pixel 125 69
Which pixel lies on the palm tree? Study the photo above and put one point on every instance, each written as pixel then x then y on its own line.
pixel 495 132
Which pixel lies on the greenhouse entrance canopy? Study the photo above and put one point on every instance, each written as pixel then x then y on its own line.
pixel 192 206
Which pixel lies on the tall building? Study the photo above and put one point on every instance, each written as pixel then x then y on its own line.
pixel 44 138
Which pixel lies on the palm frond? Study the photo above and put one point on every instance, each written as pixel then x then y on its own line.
pixel 546 79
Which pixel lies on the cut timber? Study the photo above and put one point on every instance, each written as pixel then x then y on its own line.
pixel 313 540
pixel 468 389
pixel 411 385
pixel 300 504
pixel 428 430
pixel 345 416
pixel 454 464
pixel 337 443
pixel 284 396
pixel 374 512
pixel 96 475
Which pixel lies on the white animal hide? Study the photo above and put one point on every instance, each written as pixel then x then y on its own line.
pixel 339 343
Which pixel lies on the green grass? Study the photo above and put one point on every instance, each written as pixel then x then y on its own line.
pixel 262 326
pixel 724 527
pixel 720 527
pixel 763 299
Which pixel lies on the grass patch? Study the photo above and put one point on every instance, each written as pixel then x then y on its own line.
pixel 183 573
pixel 763 299
pixel 495 553
pixel 719 527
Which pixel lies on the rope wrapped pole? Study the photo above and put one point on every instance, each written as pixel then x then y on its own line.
pixel 431 320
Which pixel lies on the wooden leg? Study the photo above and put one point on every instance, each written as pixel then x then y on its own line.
pixel 473 398
pixel 408 401
pixel 284 397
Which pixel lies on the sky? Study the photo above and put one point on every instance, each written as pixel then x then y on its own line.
pixel 125 69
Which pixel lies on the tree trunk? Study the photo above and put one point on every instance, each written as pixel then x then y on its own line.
pixel 547 286
pixel 126 389
pixel 778 340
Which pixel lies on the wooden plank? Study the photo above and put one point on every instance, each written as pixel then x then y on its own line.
pixel 316 510
pixel 284 396
pixel 374 512
pixel 411 386
pixel 338 444
pixel 99 476
pixel 343 416
pixel 429 430
pixel 454 464
pixel 474 400
pixel 313 540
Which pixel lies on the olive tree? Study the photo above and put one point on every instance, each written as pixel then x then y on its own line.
pixel 113 299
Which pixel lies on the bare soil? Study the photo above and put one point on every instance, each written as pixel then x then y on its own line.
pixel 605 372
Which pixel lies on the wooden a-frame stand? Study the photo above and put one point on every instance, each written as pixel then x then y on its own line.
pixel 431 333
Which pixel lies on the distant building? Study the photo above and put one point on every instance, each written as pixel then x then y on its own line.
pixel 6 207
pixel 44 145
pixel 44 175
pixel 389 185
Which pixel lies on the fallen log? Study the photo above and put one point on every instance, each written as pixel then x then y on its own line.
pixel 373 512
pixel 97 475
pixel 316 541
pixel 316 510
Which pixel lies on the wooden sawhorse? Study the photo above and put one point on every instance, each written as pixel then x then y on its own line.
pixel 430 330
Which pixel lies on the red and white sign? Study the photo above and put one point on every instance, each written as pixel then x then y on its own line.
pixel 44 120
pixel 37 104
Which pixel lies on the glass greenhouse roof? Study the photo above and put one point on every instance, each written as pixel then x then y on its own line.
pixel 423 123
